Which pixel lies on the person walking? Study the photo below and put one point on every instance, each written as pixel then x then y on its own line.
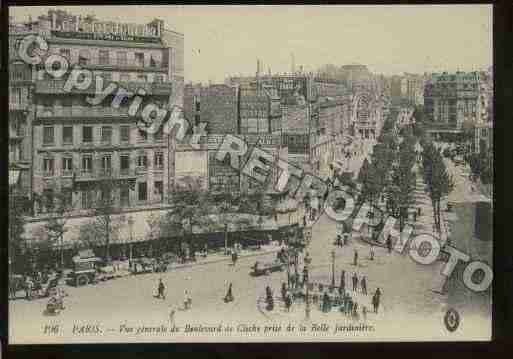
pixel 372 252
pixel 229 295
pixel 305 275
pixel 376 299
pixel 288 301
pixel 389 243
pixel 160 290
pixel 187 300
pixel 283 291
pixel 355 282
pixel 363 284
pixel 342 281
pixel 355 258
pixel 364 313
pixel 172 312
pixel 346 237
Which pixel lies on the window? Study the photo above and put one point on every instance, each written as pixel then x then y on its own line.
pixel 48 166
pixel 87 163
pixel 106 134
pixel 159 190
pixel 142 191
pixel 124 77
pixel 106 165
pixel 106 195
pixel 125 133
pixel 125 196
pixel 159 160
pixel 142 161
pixel 48 198
pixel 104 57
pixel 48 135
pixel 143 136
pixel 124 164
pixel 66 53
pixel 67 197
pixel 139 58
pixel 84 58
pixel 67 166
pixel 87 134
pixel 153 62
pixel 107 77
pixel 87 199
pixel 121 57
pixel 67 135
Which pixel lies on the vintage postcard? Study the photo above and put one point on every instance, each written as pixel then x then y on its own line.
pixel 250 173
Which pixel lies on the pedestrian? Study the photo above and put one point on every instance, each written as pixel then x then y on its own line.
pixel 305 275
pixel 229 295
pixel 389 243
pixel 288 301
pixel 339 240
pixel 343 281
pixel 419 211
pixel 363 284
pixel 283 290
pixel 355 258
pixel 346 237
pixel 160 290
pixel 355 311
pixel 172 312
pixel 355 282
pixel 376 299
pixel 372 252
pixel 187 300
pixel 414 216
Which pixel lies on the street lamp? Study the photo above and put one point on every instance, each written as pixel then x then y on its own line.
pixel 131 225
pixel 333 268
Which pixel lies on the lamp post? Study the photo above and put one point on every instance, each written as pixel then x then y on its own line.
pixel 333 268
pixel 131 225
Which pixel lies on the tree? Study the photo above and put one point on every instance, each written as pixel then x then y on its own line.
pixel 55 226
pixel 439 183
pixel 106 220
pixel 190 207
pixel 400 191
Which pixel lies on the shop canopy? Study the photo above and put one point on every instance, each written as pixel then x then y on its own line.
pixel 138 228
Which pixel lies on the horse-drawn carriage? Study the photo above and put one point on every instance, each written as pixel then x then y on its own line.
pixel 265 268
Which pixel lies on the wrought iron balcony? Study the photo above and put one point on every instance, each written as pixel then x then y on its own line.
pixel 57 87
pixel 104 174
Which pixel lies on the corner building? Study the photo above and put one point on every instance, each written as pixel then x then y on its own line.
pixel 77 146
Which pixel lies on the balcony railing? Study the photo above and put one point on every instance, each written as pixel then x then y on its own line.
pixel 102 174
pixel 57 87
pixel 81 111
pixel 18 106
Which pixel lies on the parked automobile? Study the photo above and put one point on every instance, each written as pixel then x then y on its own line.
pixel 84 269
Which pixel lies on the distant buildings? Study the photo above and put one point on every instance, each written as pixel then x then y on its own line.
pixel 451 99
pixel 408 89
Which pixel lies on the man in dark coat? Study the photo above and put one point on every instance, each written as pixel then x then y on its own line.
pixel 355 282
pixel 376 299
pixel 355 258
pixel 343 281
pixel 229 294
pixel 363 284
pixel 161 288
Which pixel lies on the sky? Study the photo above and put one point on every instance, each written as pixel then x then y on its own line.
pixel 224 40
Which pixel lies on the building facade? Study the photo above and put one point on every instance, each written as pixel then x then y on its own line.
pixel 451 99
pixel 77 147
pixel 20 119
